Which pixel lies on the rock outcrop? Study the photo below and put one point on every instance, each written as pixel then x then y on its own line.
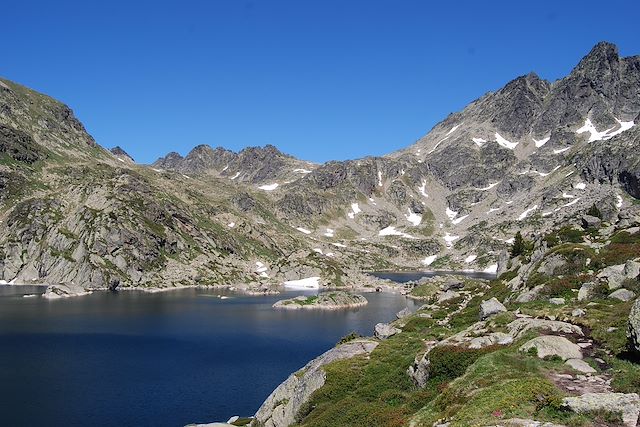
pixel 626 405
pixel 282 405
pixel 383 331
pixel 551 345
pixel 491 307
pixel 325 301
pixel 634 326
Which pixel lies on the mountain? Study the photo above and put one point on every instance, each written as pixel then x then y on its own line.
pixel 122 155
pixel 527 157
pixel 253 165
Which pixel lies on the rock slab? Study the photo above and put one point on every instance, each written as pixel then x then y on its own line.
pixel 283 404
pixel 491 307
pixel 551 345
pixel 627 405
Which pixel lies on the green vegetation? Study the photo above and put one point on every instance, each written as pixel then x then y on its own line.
pixel 349 337
pixel 594 211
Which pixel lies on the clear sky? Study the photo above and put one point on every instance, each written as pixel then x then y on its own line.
pixel 318 79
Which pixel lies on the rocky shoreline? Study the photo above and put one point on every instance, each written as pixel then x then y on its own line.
pixel 324 301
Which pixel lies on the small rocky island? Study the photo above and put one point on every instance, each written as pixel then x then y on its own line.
pixel 326 301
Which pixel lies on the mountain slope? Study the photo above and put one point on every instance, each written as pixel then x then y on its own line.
pixel 532 155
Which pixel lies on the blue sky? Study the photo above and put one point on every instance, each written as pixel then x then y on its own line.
pixel 319 79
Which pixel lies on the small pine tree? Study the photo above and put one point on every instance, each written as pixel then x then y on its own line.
pixel 594 211
pixel 519 246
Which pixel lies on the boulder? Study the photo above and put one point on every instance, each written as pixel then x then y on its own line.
pixel 633 331
pixel 503 263
pixel 384 331
pixel 447 295
pixel 622 295
pixel 491 307
pixel 419 370
pixel 627 405
pixel 452 285
pixel 578 312
pixel 616 274
pixel 580 366
pixel 551 345
pixel 557 301
pixel 587 290
pixel 589 221
pixel 549 265
pixel 631 269
pixel 403 313
pixel 530 295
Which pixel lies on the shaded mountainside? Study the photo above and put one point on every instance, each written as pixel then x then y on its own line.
pixel 530 156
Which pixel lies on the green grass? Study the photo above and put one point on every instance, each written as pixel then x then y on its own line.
pixel 361 392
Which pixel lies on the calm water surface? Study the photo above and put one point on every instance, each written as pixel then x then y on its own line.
pixel 165 359
pixel 407 276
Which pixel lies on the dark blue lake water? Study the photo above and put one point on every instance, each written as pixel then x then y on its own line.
pixel 165 359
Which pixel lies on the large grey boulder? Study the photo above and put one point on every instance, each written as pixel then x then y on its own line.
pixel 631 269
pixel 627 405
pixel 384 331
pixel 633 331
pixel 622 295
pixel 283 404
pixel 580 366
pixel 616 274
pixel 549 265
pixel 530 295
pixel 551 345
pixel 587 290
pixel 447 295
pixel 589 221
pixel 491 307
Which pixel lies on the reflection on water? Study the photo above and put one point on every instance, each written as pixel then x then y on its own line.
pixel 164 359
pixel 407 276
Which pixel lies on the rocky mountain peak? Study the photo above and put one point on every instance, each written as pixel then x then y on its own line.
pixel 121 155
pixel 602 55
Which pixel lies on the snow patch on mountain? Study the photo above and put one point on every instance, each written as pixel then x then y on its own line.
pixel 561 150
pixel 269 187
pixel 449 239
pixel 479 141
pixel 355 210
pixel 504 143
pixel 391 231
pixel 459 220
pixel 524 214
pixel 423 189
pixel 594 135
pixel 489 187
pixel 541 142
pixel 451 213
pixel 308 283
pixel 429 260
